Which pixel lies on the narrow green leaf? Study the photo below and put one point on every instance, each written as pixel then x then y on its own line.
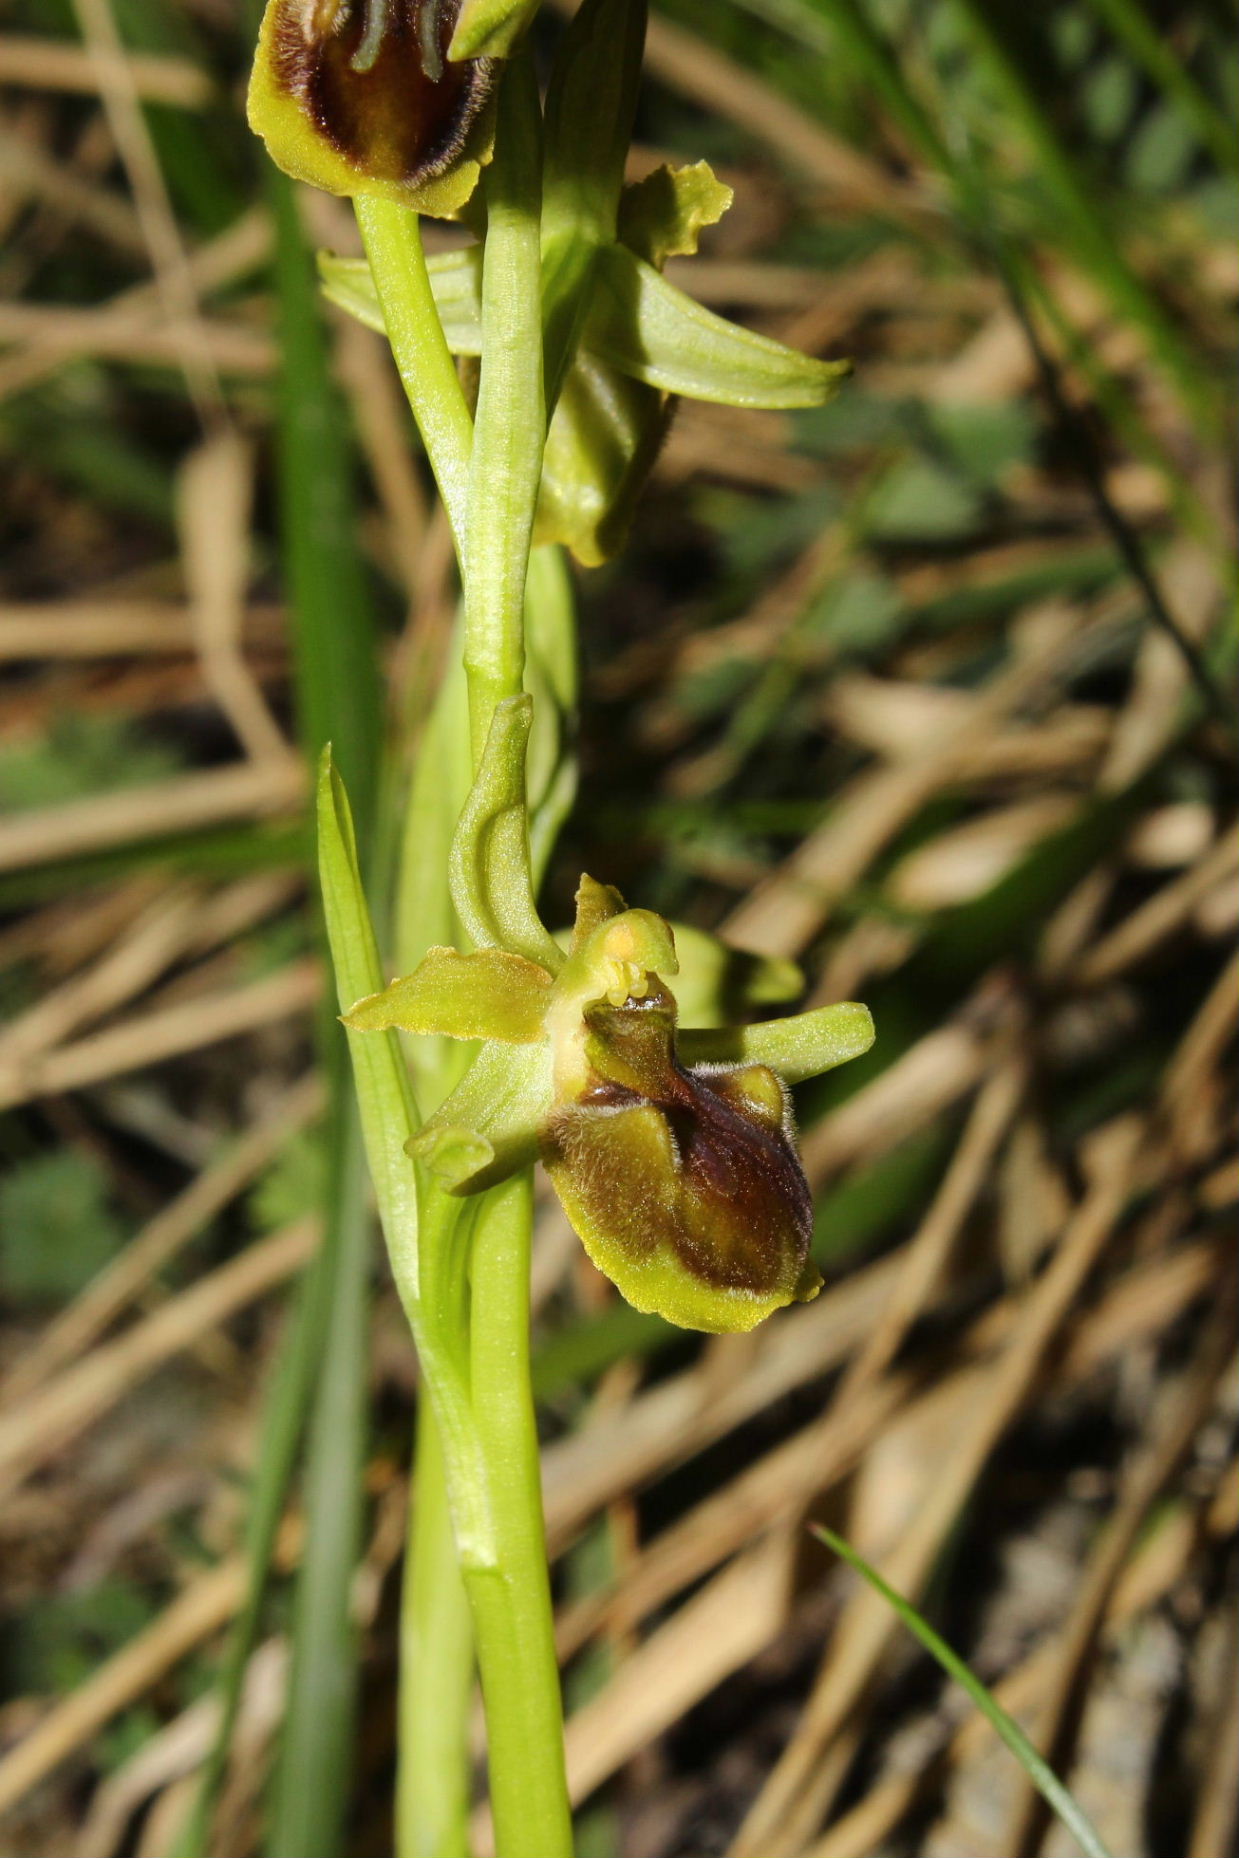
pixel 647 328
pixel 283 1422
pixel 314 1775
pixel 388 1114
pixel 336 652
pixel 339 697
pixel 1037 1770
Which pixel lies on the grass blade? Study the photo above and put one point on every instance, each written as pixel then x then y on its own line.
pixel 336 657
pixel 1042 1776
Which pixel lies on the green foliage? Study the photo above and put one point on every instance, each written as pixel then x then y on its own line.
pixel 77 756
pixel 57 1227
pixel 294 1186
pixel 61 1639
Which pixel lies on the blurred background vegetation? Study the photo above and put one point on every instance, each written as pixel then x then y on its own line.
pixel 930 691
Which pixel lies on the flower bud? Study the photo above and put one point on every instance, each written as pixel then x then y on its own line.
pixel 358 96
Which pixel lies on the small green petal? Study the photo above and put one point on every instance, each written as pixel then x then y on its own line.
pixel 490 28
pixel 488 995
pixel 797 1048
pixel 664 215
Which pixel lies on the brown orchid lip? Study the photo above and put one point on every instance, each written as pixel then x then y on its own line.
pixel 749 1177
pixel 373 77
pixel 735 1206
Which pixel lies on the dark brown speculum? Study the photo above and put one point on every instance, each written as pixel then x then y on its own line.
pixel 373 77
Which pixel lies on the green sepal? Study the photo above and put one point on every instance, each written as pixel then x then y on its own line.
pixel 800 1047
pixel 491 994
pixel 491 877
pixel 651 331
pixel 488 1128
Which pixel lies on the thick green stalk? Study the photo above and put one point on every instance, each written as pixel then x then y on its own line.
pixel 436 1669
pixel 510 1599
pixel 510 426
pixel 512 1602
pixel 393 241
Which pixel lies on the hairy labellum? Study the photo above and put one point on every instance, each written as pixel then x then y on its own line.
pixel 350 93
pixel 683 1184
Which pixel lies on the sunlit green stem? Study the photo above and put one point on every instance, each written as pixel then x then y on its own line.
pixel 509 429
pixel 510 1599
pixel 436 1669
pixel 393 241
pixel 512 1602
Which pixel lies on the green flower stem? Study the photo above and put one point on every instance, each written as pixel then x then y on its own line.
pixel 510 426
pixel 392 237
pixel 436 1669
pixel 512 1603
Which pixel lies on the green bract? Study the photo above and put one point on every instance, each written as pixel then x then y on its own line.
pixel 674 1154
pixel 359 97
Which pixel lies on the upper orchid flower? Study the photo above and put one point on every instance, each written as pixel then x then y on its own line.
pixel 359 96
